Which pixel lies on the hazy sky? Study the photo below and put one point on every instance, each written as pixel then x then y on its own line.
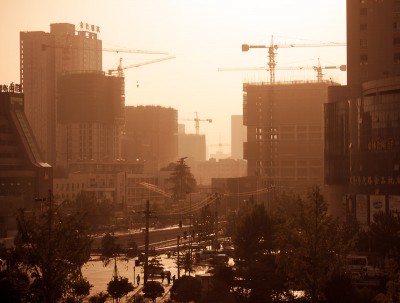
pixel 204 35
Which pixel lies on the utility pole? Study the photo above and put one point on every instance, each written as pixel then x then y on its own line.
pixel 146 241
pixel 217 199
pixel 179 269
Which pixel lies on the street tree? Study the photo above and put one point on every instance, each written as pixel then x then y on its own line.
pixel 255 254
pixel 186 289
pixel 153 290
pixel 155 266
pixel 383 237
pixel 97 213
pixel 100 297
pixel 119 287
pixel 53 249
pixel 220 286
pixel 311 248
pixel 204 224
pixel 384 234
pixel 182 180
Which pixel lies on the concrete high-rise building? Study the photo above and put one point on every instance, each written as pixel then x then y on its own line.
pixel 43 56
pixel 362 130
pixel 285 141
pixel 373 40
pixel 192 146
pixel 238 136
pixel 150 136
pixel 90 117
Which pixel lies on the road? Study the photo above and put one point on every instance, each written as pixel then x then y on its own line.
pixel 99 275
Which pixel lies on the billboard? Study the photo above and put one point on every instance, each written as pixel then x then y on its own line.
pixel 376 205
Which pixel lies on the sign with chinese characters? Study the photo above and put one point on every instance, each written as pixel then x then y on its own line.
pixel 374 180
pixel 12 88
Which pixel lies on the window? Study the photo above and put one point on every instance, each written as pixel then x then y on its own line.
pixel 363 59
pixel 363 43
pixel 363 26
pixel 396 41
pixel 396 58
pixel 363 11
pixel 396 26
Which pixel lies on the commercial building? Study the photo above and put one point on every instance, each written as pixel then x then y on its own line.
pixel 24 176
pixel 43 56
pixel 285 139
pixel 150 136
pixel 362 121
pixel 373 40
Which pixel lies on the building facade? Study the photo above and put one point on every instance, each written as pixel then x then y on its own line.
pixel 238 136
pixel 373 40
pixel 205 171
pixel 285 139
pixel 150 136
pixel 24 176
pixel 43 56
pixel 362 119
pixel 192 146
pixel 90 117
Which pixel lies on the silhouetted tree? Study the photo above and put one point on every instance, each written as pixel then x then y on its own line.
pixel 311 248
pixel 219 288
pixel 100 297
pixel 186 289
pixel 153 290
pixel 53 249
pixel 255 255
pixel 119 287
pixel 182 180
pixel 97 213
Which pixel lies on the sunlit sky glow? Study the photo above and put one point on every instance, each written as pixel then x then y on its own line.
pixel 204 35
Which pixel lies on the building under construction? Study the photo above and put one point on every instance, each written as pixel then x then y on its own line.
pixel 150 136
pixel 90 118
pixel 285 133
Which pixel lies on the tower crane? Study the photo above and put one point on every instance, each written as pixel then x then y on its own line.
pixel 120 69
pixel 318 68
pixel 272 52
pixel 197 122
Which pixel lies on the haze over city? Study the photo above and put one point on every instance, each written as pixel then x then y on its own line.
pixel 203 36
pixel 104 197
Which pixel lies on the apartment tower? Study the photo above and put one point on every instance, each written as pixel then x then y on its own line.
pixel 44 56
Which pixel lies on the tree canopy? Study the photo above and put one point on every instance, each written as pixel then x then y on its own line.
pixel 53 248
pixel 153 290
pixel 311 248
pixel 186 289
pixel 182 180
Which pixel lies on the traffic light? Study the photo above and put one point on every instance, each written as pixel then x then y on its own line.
pixel 180 224
pixel 137 263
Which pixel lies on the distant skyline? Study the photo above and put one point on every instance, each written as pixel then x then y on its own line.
pixel 203 35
